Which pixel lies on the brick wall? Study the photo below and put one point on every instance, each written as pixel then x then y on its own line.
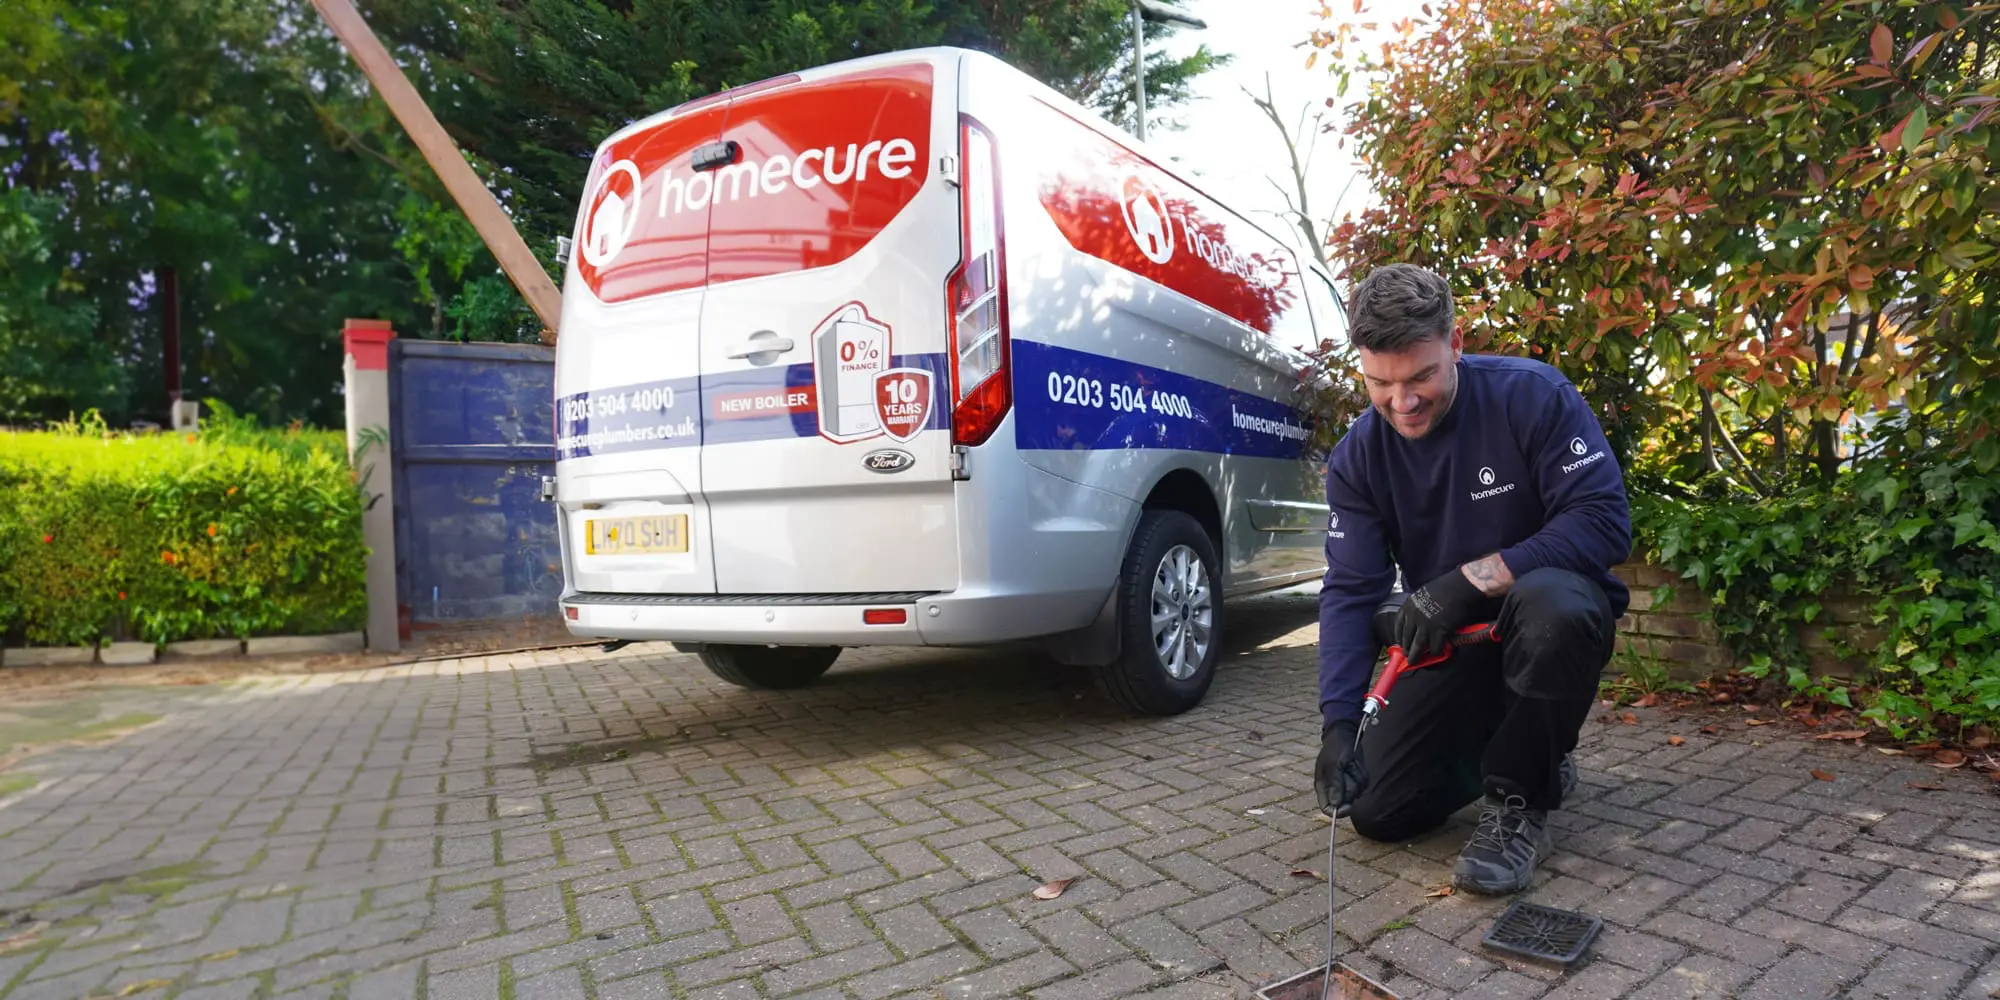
pixel 1680 634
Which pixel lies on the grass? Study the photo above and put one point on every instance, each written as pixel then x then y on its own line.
pixel 11 783
pixel 1632 676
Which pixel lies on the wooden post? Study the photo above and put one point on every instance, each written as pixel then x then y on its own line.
pixel 466 188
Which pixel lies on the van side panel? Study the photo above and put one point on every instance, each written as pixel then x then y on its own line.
pixel 1157 331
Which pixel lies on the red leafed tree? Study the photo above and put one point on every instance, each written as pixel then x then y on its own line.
pixel 1739 226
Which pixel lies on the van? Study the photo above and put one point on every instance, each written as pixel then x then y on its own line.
pixel 912 350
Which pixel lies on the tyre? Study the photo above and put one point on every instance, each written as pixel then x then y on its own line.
pixel 1169 615
pixel 768 667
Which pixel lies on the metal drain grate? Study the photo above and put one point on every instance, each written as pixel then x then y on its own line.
pixel 1543 932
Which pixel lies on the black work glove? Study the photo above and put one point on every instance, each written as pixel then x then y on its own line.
pixel 1339 776
pixel 1434 612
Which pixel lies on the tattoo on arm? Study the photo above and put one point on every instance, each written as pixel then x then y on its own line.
pixel 1490 575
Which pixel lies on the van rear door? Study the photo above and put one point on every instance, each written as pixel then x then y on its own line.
pixel 833 232
pixel 627 374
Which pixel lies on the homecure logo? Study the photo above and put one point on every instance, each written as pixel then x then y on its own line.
pixel 614 217
pixel 698 189
pixel 617 200
pixel 1147 219
pixel 1486 477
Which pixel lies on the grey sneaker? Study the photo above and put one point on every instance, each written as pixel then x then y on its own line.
pixel 1501 855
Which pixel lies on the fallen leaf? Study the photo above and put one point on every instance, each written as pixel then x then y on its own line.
pixel 141 987
pixel 1948 758
pixel 1925 788
pixel 1054 889
pixel 1629 719
pixel 1953 766
pixel 1720 697
pixel 23 939
pixel 1711 730
pixel 1979 742
pixel 1307 873
pixel 1756 722
pixel 1821 775
pixel 1891 751
pixel 1844 734
pixel 1674 741
pixel 1439 892
pixel 1650 699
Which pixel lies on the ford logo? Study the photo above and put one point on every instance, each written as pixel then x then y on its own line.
pixel 888 460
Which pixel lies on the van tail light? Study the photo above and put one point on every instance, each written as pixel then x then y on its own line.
pixel 976 295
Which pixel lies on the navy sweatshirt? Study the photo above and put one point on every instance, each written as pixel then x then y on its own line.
pixel 1518 466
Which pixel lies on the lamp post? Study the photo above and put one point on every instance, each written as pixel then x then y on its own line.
pixel 1159 13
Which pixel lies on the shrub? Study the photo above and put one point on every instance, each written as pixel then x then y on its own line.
pixel 1910 530
pixel 230 533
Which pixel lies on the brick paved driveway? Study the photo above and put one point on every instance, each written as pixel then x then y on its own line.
pixel 577 824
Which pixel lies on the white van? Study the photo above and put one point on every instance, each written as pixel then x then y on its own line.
pixel 913 350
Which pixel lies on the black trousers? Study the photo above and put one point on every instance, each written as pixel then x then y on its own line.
pixel 1490 719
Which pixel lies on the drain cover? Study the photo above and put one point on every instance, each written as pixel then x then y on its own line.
pixel 1542 932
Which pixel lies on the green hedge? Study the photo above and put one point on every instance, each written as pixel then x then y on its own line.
pixel 230 533
pixel 1912 529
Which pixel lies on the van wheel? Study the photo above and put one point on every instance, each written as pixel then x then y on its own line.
pixel 1170 610
pixel 772 667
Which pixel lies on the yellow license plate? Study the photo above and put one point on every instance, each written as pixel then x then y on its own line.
pixel 652 534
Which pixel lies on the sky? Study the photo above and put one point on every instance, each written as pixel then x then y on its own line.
pixel 1228 146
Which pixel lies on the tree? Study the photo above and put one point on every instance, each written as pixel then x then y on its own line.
pixel 235 142
pixel 1739 226
pixel 535 85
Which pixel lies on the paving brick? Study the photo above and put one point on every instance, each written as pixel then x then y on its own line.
pixel 1909 934
pixel 1802 974
pixel 1829 941
pixel 1597 980
pixel 1725 898
pixel 1913 976
pixel 1430 959
pixel 1699 976
pixel 1128 976
pixel 1715 938
pixel 1077 939
pixel 1907 894
pixel 1008 978
pixel 915 974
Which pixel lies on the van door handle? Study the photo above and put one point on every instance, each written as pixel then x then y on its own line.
pixel 761 342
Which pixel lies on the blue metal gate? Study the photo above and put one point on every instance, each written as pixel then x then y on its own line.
pixel 473 434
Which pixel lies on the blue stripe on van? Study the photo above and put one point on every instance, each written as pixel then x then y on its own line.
pixel 1064 399
pixel 1070 400
pixel 670 413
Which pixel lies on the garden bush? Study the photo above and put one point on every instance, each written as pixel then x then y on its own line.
pixel 232 532
pixel 1912 530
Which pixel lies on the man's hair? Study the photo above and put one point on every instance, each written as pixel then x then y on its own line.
pixel 1399 306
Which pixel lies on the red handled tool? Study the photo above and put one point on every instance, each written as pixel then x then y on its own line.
pixel 1399 664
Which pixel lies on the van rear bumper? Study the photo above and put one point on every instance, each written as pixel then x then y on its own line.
pixel 930 619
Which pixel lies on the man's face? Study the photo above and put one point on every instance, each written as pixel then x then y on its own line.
pixel 1414 387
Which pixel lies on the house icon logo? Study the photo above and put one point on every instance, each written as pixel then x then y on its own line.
pixel 614 213
pixel 1146 218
